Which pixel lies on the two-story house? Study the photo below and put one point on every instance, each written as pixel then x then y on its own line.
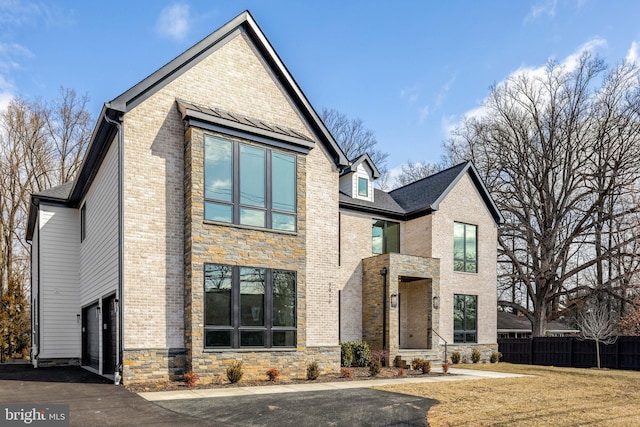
pixel 215 218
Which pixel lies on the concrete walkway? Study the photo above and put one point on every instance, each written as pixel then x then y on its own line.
pixel 456 375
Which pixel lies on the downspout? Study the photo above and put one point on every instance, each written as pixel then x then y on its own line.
pixel 383 273
pixel 34 351
pixel 117 375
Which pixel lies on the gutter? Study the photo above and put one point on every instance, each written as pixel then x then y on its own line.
pixel 117 376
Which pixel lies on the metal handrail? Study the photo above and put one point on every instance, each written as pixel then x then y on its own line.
pixel 445 343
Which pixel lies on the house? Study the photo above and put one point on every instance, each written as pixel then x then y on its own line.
pixel 214 218
pixel 512 325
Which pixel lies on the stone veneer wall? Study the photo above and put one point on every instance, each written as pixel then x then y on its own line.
pixel 159 364
pixel 465 351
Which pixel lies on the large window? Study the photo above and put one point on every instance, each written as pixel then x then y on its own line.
pixel 385 237
pixel 465 247
pixel 465 319
pixel 249 185
pixel 249 307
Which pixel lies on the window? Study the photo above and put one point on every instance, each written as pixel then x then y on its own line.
pixel 465 247
pixel 249 185
pixel 83 222
pixel 465 318
pixel 363 187
pixel 249 307
pixel 385 237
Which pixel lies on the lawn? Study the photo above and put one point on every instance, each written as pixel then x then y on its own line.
pixel 549 397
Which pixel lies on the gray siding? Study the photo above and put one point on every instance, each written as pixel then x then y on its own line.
pixel 59 244
pixel 99 250
pixel 35 259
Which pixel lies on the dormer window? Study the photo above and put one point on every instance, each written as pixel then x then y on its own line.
pixel 363 187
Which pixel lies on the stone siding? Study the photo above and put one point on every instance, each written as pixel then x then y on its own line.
pixel 486 350
pixel 153 364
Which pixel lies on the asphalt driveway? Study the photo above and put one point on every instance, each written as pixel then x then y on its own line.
pixel 93 401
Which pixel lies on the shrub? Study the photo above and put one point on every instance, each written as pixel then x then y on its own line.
pixel 235 372
pixel 495 357
pixel 417 363
pixel 272 374
pixel 313 372
pixel 374 367
pixel 455 357
pixel 346 354
pixel 191 378
pixel 346 373
pixel 426 367
pixel 445 367
pixel 381 356
pixel 475 355
pixel 361 353
pixel 401 372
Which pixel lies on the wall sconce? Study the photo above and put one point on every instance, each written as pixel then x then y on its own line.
pixel 436 302
pixel 394 300
pixel 78 318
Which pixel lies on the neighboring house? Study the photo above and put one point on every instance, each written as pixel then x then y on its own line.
pixel 215 218
pixel 511 325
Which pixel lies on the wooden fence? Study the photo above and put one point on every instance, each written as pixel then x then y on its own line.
pixel 571 352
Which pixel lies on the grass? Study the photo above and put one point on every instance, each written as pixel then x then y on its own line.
pixel 549 397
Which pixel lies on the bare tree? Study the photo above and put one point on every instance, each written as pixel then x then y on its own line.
pixel 353 137
pixel 558 151
pixel 598 323
pixel 414 171
pixel 629 324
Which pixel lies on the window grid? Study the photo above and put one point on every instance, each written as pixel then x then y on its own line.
pixel 242 186
pixel 465 247
pixel 465 318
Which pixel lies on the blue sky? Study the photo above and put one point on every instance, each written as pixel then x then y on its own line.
pixel 409 69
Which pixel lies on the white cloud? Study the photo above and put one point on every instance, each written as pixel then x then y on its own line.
pixel 540 8
pixel 423 113
pixel 6 93
pixel 412 93
pixel 444 90
pixel 173 21
pixel 20 12
pixel 632 54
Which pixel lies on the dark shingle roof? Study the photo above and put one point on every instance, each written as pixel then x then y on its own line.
pixel 513 322
pixel 61 192
pixel 426 192
pixel 384 203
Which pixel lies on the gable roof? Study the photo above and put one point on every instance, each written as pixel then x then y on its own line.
pixel 427 193
pixel 423 196
pixel 112 112
pixel 363 158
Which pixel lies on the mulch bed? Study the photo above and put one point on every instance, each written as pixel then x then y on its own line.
pixel 359 374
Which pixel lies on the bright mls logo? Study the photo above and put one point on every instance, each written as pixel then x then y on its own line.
pixel 34 415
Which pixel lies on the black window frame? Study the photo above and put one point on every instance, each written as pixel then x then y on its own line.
pixel 236 328
pixel 385 246
pixel 235 203
pixel 83 222
pixel 465 331
pixel 465 261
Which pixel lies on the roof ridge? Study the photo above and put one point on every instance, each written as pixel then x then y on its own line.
pixel 431 176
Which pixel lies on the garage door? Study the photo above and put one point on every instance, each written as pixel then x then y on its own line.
pixel 91 336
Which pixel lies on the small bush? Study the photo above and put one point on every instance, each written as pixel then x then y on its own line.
pixel 417 363
pixel 346 354
pixel 426 367
pixel 401 372
pixel 455 357
pixel 346 373
pixel 495 357
pixel 445 367
pixel 191 378
pixel 475 355
pixel 381 356
pixel 374 368
pixel 313 372
pixel 272 374
pixel 235 372
pixel 361 353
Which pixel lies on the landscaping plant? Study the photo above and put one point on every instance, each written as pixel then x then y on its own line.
pixel 475 355
pixel 455 357
pixel 191 378
pixel 313 372
pixel 272 374
pixel 235 372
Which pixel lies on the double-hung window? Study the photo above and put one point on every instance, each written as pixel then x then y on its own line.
pixel 249 307
pixel 249 185
pixel 385 237
pixel 465 247
pixel 465 319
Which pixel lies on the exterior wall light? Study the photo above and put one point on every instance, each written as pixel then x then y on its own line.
pixel 436 302
pixel 394 300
